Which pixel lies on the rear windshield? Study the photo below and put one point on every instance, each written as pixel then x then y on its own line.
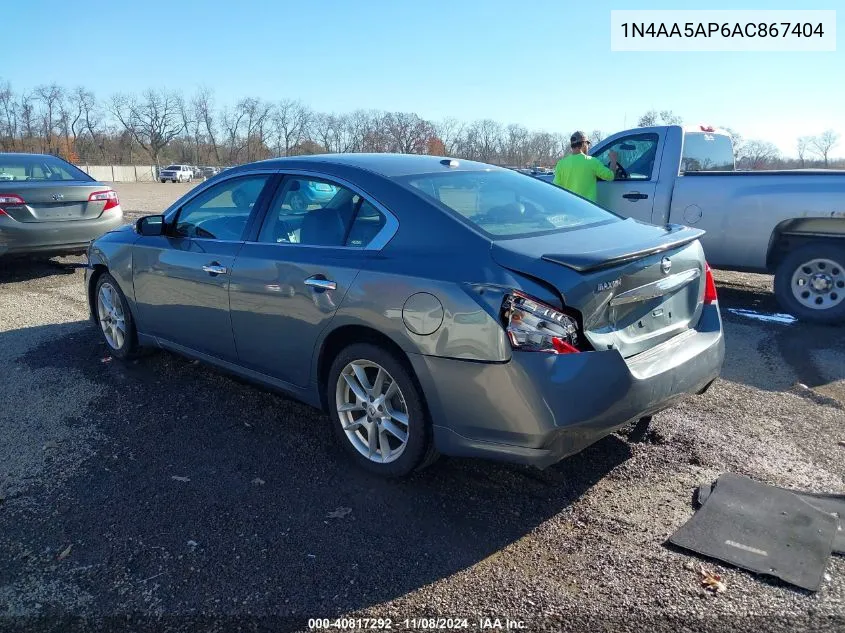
pixel 504 203
pixel 707 152
pixel 174 168
pixel 15 167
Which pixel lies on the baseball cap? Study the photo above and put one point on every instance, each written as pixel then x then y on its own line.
pixel 578 137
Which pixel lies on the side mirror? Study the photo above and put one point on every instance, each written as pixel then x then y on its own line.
pixel 150 225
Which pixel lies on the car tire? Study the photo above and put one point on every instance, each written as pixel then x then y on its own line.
pixel 810 282
pixel 384 416
pixel 163 181
pixel 122 342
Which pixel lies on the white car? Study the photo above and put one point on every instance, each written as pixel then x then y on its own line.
pixel 176 173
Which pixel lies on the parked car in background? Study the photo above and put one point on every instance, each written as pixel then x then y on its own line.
pixel 176 173
pixel 430 306
pixel 787 222
pixel 50 207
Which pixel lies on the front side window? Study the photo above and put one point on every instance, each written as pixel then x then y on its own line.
pixel 316 212
pixel 504 203
pixel 221 212
pixel 635 153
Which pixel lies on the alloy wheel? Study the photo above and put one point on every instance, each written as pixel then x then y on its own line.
pixel 372 411
pixel 111 317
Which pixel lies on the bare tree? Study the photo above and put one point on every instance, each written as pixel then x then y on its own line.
pixel 407 133
pixel 664 117
pixel 203 104
pixel 290 122
pixel 450 132
pixel 758 154
pixel 9 113
pixel 803 145
pixel 516 145
pixel 26 111
pixel 824 143
pixel 50 98
pixel 91 118
pixel 152 121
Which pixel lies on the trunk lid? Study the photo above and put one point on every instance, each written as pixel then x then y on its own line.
pixel 54 202
pixel 634 284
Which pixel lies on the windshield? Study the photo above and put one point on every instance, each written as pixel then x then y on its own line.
pixel 503 203
pixel 36 167
pixel 173 167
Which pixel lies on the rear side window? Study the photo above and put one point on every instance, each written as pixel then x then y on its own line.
pixel 38 168
pixel 504 203
pixel 707 152
pixel 316 212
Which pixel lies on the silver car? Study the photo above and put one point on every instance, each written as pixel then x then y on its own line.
pixel 429 305
pixel 50 207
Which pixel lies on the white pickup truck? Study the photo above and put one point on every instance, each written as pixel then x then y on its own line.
pixel 790 223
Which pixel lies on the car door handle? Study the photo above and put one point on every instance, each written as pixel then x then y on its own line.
pixel 321 283
pixel 635 195
pixel 214 269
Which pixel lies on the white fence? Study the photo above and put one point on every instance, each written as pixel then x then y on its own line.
pixel 121 173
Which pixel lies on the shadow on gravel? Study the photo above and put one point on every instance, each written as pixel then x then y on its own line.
pixel 789 344
pixel 17 269
pixel 215 497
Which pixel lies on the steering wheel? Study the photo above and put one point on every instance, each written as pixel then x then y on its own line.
pixel 621 172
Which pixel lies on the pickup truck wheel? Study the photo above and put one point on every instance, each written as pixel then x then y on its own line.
pixel 810 282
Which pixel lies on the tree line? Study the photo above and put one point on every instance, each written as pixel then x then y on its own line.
pixel 162 126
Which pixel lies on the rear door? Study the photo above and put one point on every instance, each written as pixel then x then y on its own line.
pixel 182 278
pixel 290 278
pixel 632 197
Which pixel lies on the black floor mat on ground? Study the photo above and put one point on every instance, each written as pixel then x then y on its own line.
pixel 826 502
pixel 763 529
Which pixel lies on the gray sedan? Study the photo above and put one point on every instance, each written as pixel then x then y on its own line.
pixel 50 207
pixel 430 306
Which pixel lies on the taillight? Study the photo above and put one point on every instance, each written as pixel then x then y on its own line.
pixel 533 326
pixel 110 196
pixel 709 286
pixel 9 200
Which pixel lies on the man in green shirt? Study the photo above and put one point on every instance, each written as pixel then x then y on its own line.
pixel 578 171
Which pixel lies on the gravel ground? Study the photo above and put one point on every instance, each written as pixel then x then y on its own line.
pixel 167 491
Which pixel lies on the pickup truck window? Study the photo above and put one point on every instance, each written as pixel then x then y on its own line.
pixel 707 152
pixel 636 154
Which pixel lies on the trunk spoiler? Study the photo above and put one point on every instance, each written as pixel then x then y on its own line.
pixel 676 235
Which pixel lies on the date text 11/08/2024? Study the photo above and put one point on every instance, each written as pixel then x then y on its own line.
pixel 420 624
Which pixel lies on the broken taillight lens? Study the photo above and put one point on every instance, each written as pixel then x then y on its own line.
pixel 533 326
pixel 709 286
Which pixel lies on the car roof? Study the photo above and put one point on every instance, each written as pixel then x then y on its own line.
pixel 28 155
pixel 388 165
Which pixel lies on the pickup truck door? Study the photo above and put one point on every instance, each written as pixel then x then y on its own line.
pixel 631 197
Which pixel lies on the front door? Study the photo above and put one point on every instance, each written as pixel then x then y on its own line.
pixel 632 194
pixel 182 277
pixel 288 283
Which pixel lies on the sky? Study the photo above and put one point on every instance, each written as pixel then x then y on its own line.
pixel 545 64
